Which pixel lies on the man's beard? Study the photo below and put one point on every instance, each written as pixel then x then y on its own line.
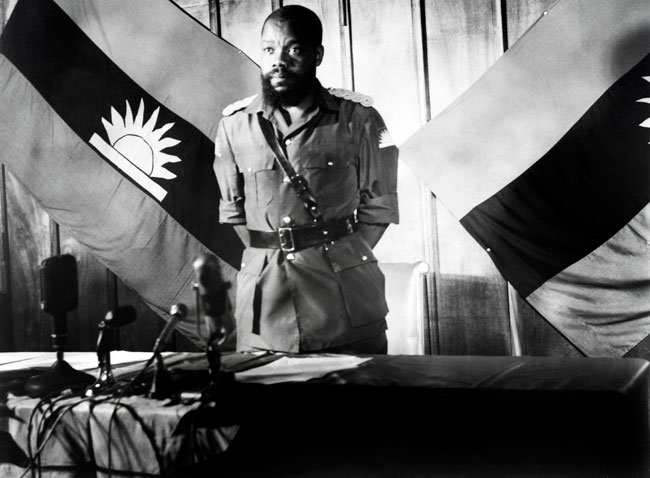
pixel 297 90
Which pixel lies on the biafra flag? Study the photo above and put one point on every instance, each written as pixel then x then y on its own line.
pixel 545 161
pixel 108 111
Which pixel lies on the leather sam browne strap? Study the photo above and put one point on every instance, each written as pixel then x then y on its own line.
pixel 298 183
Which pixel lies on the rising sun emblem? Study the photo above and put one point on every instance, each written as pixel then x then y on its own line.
pixel 646 123
pixel 136 146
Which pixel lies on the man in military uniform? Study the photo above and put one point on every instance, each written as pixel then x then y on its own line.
pixel 309 280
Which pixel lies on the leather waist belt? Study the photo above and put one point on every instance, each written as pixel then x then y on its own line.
pixel 291 239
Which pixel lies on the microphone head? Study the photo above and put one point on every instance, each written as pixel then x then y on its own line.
pixel 120 316
pixel 206 267
pixel 211 287
pixel 178 310
pixel 59 289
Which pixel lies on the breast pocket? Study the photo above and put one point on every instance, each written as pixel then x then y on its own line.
pixel 260 175
pixel 362 283
pixel 330 169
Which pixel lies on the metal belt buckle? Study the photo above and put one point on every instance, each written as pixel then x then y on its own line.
pixel 285 234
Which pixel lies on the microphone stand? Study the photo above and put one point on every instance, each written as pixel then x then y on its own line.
pixel 60 375
pixel 219 378
pixel 105 377
pixel 161 384
pixel 112 321
pixel 59 295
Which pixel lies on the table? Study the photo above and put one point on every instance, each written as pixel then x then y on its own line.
pixel 391 416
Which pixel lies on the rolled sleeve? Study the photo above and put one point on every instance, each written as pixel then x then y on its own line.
pixel 377 173
pixel 230 179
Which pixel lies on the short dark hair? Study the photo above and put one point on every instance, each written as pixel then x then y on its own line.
pixel 305 24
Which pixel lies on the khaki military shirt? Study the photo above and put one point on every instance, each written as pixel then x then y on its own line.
pixel 327 295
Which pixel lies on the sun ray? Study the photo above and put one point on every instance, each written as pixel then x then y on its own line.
pixel 167 158
pixel 150 125
pixel 116 119
pixel 139 119
pixel 157 134
pixel 128 117
pixel 166 143
pixel 110 131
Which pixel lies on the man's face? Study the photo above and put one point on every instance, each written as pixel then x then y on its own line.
pixel 288 64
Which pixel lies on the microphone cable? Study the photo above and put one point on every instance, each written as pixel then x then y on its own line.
pixel 178 311
pixel 42 426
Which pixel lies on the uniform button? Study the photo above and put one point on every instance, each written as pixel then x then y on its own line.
pixel 288 142
pixel 250 170
pixel 286 179
pixel 291 256
pixel 243 264
pixel 287 220
pixel 364 258
pixel 325 233
pixel 330 163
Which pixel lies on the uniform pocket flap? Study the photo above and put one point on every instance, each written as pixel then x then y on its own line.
pixel 254 160
pixel 350 252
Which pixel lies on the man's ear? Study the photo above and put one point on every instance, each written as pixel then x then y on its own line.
pixel 320 51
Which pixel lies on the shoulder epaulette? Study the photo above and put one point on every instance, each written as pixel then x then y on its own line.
pixel 360 98
pixel 238 105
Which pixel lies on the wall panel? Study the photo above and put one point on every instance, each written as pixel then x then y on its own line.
pixel 241 25
pixel 141 334
pixel 522 14
pixel 385 66
pixel 30 238
pixel 6 316
pixel 94 286
pixel 199 9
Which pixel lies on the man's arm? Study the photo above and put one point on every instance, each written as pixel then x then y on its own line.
pixel 231 186
pixel 242 232
pixel 377 179
pixel 372 232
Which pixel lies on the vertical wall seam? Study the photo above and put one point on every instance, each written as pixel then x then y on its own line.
pixel 430 230
pixel 9 340
pixel 215 17
pixel 504 23
pixel 350 46
pixel 501 15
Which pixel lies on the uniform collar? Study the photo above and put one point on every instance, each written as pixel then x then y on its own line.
pixel 323 98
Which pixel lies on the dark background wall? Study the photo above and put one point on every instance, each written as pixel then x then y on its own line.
pixel 413 57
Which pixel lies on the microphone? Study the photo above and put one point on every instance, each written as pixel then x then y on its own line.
pixel 59 295
pixel 114 319
pixel 211 303
pixel 161 384
pixel 211 291
pixel 178 312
